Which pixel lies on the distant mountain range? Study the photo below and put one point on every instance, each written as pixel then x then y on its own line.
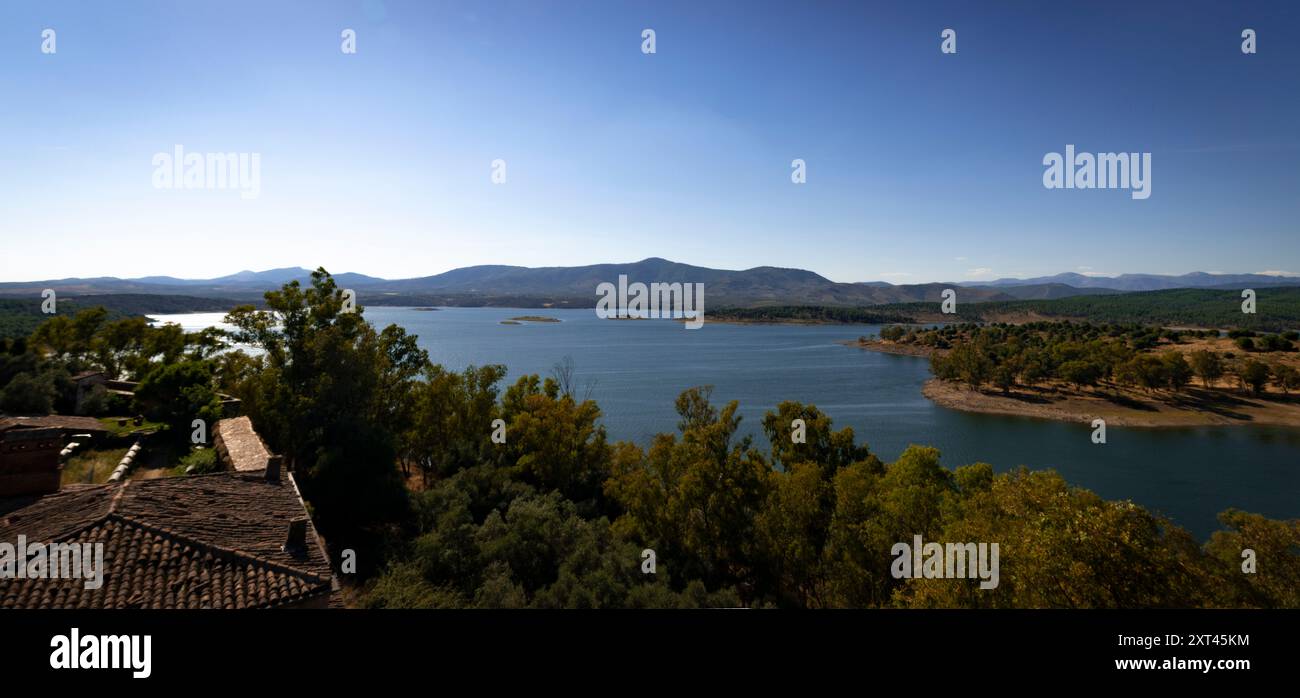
pixel 575 286
pixel 1147 282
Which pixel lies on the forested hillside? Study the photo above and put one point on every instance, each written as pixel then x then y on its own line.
pixel 1277 309
pixel 20 316
pixel 808 313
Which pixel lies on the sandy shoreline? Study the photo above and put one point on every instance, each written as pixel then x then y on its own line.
pixel 1118 406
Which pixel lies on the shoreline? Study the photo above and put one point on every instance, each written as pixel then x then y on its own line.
pixel 883 347
pixel 1126 407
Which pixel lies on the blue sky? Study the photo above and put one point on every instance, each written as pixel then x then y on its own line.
pixel 921 166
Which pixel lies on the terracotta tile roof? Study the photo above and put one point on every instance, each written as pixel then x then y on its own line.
pixel 146 567
pixel 240 445
pixel 203 541
pixel 53 516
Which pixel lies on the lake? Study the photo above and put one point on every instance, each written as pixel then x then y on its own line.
pixel 635 369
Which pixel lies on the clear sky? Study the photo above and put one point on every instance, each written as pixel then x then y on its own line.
pixel 920 166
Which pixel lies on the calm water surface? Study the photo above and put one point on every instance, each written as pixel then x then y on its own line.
pixel 635 369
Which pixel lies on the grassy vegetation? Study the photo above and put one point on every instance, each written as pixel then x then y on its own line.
pixel 120 430
pixel 92 466
pixel 203 460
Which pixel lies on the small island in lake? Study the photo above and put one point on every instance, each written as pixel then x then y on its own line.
pixel 1128 375
pixel 533 318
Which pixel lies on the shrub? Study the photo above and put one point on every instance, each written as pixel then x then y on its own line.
pixel 203 460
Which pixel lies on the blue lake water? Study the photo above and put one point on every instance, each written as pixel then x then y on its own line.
pixel 635 369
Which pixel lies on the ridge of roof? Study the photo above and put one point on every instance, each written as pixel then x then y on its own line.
pixel 229 553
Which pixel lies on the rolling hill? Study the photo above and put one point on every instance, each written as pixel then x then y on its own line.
pixel 502 285
pixel 1146 282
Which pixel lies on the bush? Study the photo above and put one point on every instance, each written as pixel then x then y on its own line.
pixel 893 333
pixel 1273 342
pixel 203 460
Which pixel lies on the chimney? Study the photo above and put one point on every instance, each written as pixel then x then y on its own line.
pixel 273 467
pixel 29 461
pixel 297 539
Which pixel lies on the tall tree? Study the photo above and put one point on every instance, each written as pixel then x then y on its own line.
pixel 322 397
pixel 1207 365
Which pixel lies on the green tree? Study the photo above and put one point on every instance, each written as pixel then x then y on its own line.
pixel 319 398
pixel 1270 547
pixel 1207 365
pixel 1176 370
pixel 820 444
pixel 876 508
pixel 555 442
pixel 971 365
pixel 1288 378
pixel 694 500
pixel 1146 371
pixel 1254 374
pixel 28 393
pixel 1034 370
pixel 1004 377
pixel 1119 555
pixel 1080 373
pixel 451 420
pixel 179 392
pixel 943 368
pixel 793 529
